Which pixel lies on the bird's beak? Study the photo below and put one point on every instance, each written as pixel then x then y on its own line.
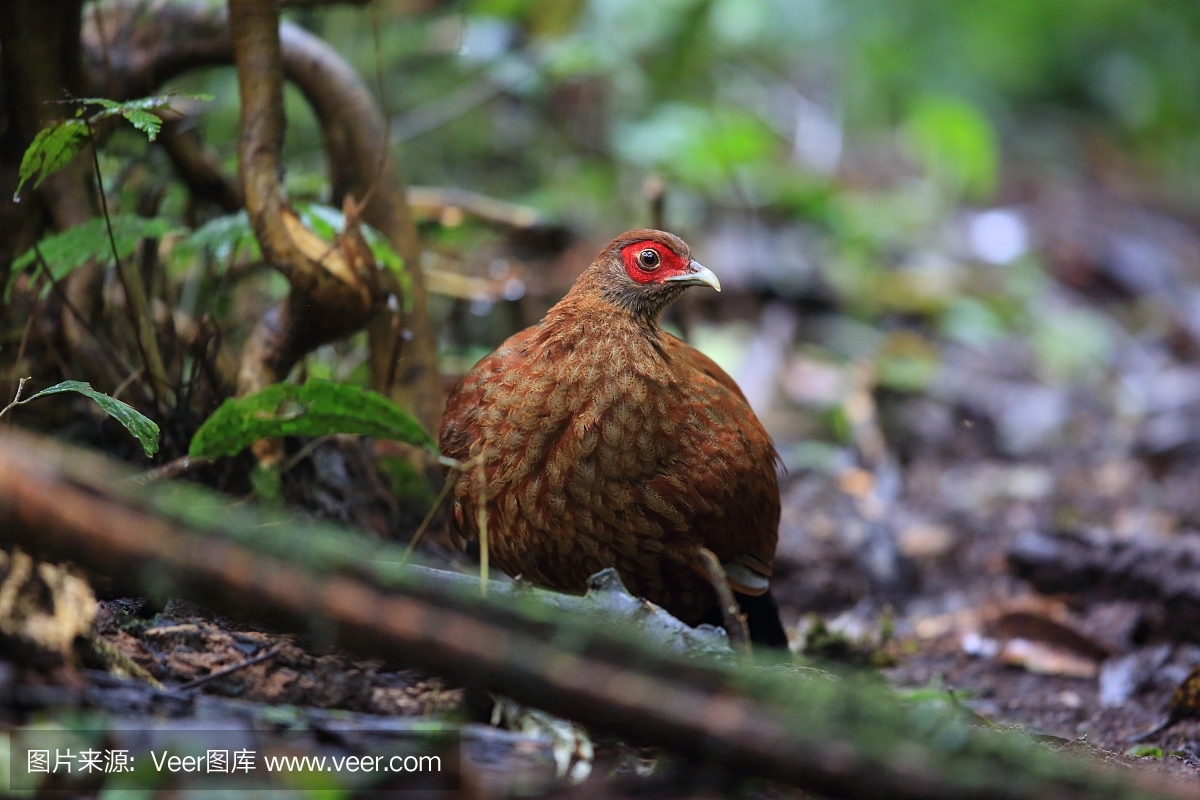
pixel 697 275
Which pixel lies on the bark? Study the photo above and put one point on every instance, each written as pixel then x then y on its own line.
pixel 845 739
pixel 40 59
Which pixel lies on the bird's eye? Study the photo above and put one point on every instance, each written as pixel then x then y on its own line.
pixel 648 259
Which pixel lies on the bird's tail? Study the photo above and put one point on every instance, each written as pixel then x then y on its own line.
pixel 762 618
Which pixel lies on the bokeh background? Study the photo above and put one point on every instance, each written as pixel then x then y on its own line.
pixel 958 240
pixel 960 251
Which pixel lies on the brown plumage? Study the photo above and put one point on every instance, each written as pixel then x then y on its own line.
pixel 611 443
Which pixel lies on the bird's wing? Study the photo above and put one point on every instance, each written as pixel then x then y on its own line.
pixel 460 421
pixel 681 352
pixel 734 487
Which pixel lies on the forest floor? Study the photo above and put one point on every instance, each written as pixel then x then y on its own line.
pixel 1081 673
pixel 957 585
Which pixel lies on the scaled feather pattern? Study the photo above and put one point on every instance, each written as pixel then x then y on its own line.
pixel 608 442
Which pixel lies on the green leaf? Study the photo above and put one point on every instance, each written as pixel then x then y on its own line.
pixel 51 150
pixel 67 250
pixel 144 121
pixel 956 142
pixel 139 112
pixel 701 146
pixel 143 428
pixel 1145 751
pixel 317 408
pixel 56 144
pixel 222 236
pixel 327 222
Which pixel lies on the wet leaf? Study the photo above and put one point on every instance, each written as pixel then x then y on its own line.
pixel 142 427
pixel 56 144
pixel 50 151
pixel 139 112
pixel 73 247
pixel 317 408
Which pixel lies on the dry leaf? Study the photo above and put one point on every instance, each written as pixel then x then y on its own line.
pixel 1046 659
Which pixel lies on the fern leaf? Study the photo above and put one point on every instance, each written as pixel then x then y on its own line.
pixel 50 151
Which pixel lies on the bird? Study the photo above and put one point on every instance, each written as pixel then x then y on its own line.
pixel 602 440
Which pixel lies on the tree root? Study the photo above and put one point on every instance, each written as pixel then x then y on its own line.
pixel 160 40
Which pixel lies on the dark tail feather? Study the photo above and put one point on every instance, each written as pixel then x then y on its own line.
pixel 762 617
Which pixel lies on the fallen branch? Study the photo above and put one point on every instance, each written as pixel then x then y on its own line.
pixel 176 468
pixel 232 668
pixel 847 739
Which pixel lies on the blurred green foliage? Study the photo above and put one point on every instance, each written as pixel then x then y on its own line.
pixel 872 122
pixel 684 85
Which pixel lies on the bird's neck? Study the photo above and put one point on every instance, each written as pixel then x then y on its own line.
pixel 617 341
pixel 592 314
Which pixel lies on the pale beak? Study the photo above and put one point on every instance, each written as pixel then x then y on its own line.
pixel 697 275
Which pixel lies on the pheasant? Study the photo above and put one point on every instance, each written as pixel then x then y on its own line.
pixel 608 442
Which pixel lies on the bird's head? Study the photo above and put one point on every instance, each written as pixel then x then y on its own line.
pixel 644 271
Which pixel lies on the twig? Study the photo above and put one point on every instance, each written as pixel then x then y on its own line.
pixel 135 293
pixel 221 673
pixel 112 239
pixel 109 351
pixel 457 468
pixel 171 469
pixel 305 451
pixel 434 200
pixel 384 145
pixel 123 385
pixel 444 110
pixel 16 401
pixel 451 479
pixel 37 307
pixel 731 612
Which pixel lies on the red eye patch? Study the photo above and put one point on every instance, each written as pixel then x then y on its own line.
pixel 651 262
